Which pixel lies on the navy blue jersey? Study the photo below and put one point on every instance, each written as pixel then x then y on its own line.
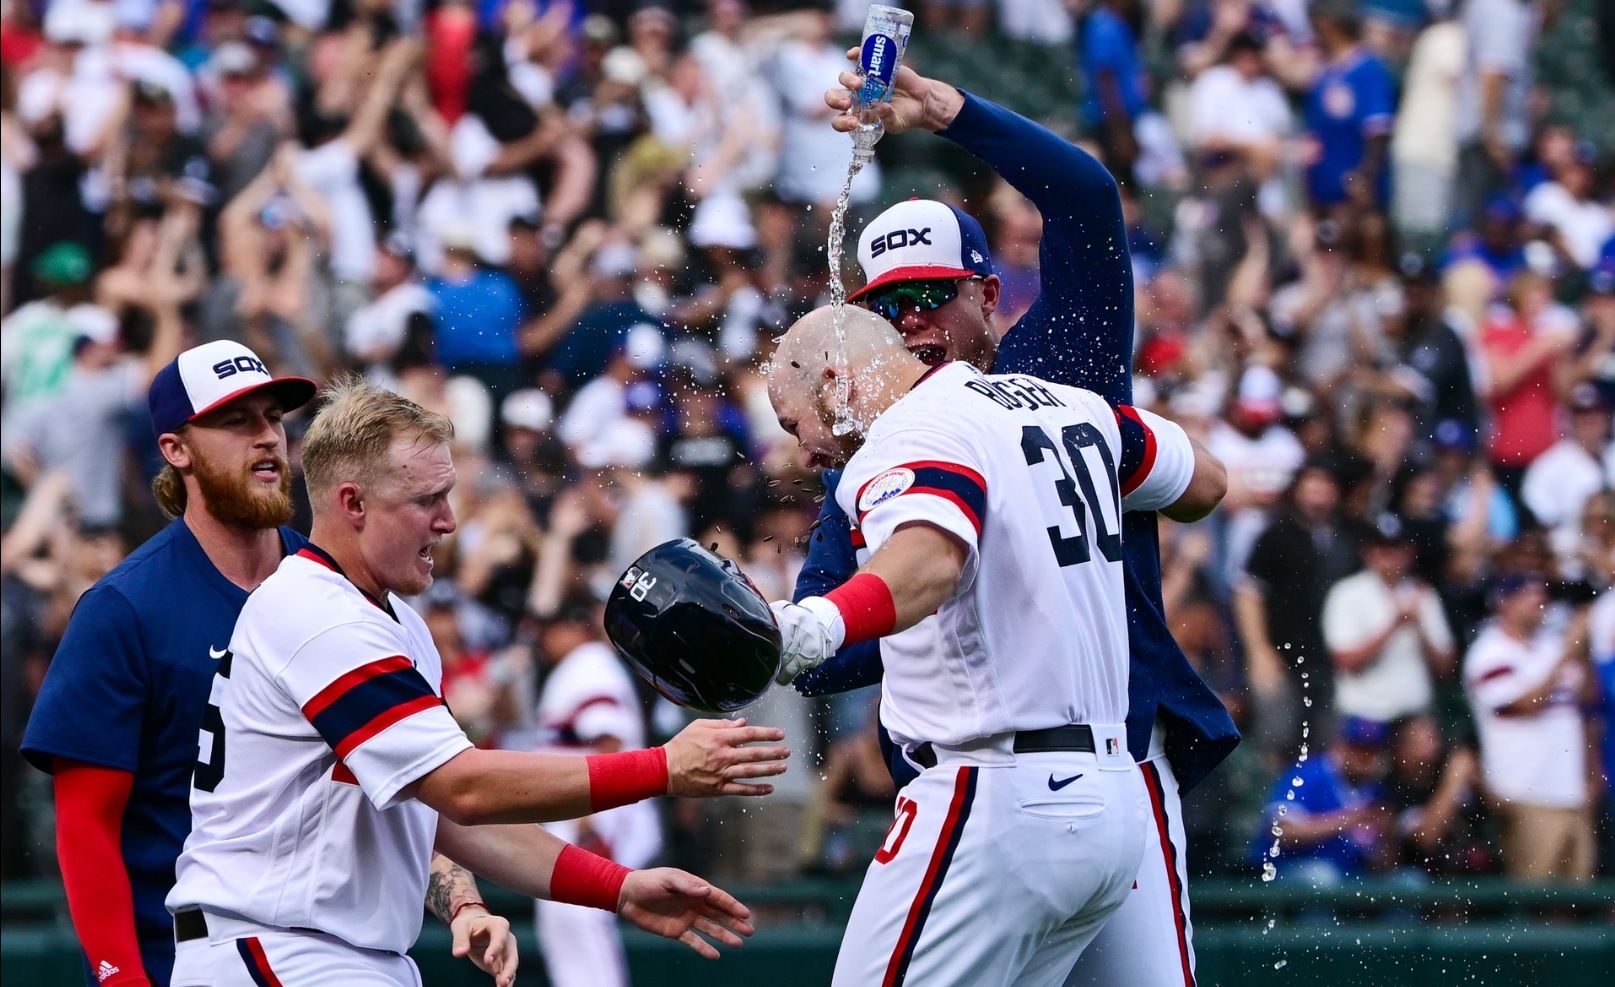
pixel 1078 332
pixel 127 689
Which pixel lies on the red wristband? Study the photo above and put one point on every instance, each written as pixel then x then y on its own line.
pixel 626 777
pixel 867 608
pixel 462 906
pixel 582 878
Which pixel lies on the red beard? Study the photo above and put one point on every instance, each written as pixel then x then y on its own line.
pixel 237 498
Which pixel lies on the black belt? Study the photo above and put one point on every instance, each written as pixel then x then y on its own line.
pixel 1077 737
pixel 189 924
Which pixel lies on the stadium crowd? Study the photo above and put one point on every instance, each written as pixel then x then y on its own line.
pixel 1374 262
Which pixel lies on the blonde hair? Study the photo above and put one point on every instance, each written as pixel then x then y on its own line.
pixel 169 489
pixel 351 438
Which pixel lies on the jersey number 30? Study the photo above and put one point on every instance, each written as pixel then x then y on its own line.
pixel 1037 445
pixel 210 768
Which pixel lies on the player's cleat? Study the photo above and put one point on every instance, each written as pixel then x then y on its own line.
pixel 694 627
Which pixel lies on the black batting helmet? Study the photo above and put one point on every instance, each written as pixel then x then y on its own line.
pixel 694 627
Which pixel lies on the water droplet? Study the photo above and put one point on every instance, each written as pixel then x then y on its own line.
pixel 1269 872
pixel 1281 964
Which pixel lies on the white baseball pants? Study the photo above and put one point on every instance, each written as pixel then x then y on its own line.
pixel 1149 942
pixel 999 868
pixel 264 958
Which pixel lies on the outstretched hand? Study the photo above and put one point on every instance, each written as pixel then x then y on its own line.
pixel 709 757
pixel 487 940
pixel 681 906
pixel 917 103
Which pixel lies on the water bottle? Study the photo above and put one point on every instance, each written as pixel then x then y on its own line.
pixel 886 32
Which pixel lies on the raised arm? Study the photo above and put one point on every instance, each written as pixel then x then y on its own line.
pixel 1080 330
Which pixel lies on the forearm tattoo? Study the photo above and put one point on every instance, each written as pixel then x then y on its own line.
pixel 448 885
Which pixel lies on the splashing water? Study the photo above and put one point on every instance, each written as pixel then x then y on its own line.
pixel 1270 870
pixel 843 423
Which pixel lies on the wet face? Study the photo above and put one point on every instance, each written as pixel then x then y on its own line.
pixel 237 455
pixel 407 513
pixel 960 329
pixel 808 418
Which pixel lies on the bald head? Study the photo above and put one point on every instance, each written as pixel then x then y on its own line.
pixel 809 348
pixel 802 375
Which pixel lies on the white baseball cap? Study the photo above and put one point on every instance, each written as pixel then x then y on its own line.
pixel 529 408
pixel 921 240
pixel 212 375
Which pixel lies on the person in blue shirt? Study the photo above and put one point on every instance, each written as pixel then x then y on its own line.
pixel 1113 79
pixel 478 317
pixel 1350 110
pixel 125 699
pixel 1333 821
pixel 930 273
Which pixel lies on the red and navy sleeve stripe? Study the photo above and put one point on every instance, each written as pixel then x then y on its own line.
pixel 960 485
pixel 368 700
pixel 1138 448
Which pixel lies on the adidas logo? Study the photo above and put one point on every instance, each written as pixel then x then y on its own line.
pixel 105 971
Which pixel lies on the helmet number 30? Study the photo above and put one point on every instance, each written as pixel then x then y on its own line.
pixel 641 588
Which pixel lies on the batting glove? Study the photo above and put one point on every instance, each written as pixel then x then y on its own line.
pixel 810 632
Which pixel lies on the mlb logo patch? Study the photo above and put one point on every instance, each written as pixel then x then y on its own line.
pixel 884 487
pixel 630 577
pixel 1112 746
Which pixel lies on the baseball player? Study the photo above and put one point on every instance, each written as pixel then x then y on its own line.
pixel 986 510
pixel 929 270
pixel 330 768
pixel 588 705
pixel 122 703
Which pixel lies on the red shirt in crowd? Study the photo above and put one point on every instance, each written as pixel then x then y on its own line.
pixel 1525 419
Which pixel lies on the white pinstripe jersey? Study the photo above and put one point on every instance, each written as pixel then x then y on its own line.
pixel 324 711
pixel 1032 477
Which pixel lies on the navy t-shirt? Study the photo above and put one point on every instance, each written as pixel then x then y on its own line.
pixel 127 689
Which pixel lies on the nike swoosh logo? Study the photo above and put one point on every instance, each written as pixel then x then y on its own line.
pixel 1055 786
pixel 216 653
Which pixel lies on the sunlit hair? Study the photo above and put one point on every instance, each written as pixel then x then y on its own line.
pixel 351 438
pixel 169 489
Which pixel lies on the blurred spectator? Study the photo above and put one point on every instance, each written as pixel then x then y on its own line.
pixel 1386 632
pixel 1493 121
pixel 1424 357
pixel 1576 221
pixel 1113 79
pixel 1433 794
pixel 40 336
pixel 1330 809
pixel 1522 347
pixel 1279 604
pixel 1236 106
pixel 1349 112
pixel 1525 688
pixel 1559 480
pixel 1424 145
pixel 1261 456
pixel 375 332
pixel 477 312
